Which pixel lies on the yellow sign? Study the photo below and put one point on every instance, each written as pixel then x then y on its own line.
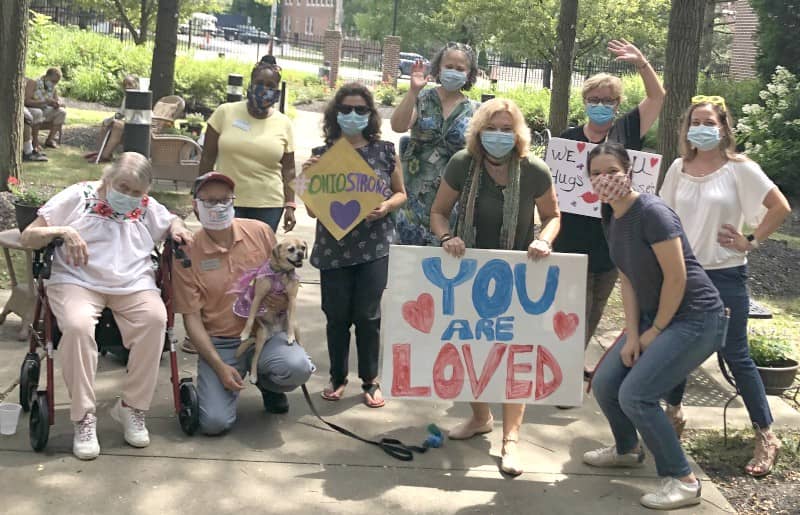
pixel 341 189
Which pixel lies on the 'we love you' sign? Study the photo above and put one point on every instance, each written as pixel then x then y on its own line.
pixel 492 326
pixel 341 189
pixel 567 161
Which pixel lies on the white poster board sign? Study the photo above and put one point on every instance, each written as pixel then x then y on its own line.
pixel 492 326
pixel 567 161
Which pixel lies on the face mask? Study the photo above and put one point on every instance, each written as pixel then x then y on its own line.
pixel 215 218
pixel 611 187
pixel 704 138
pixel 260 98
pixel 452 80
pixel 497 144
pixel 600 114
pixel 352 123
pixel 120 202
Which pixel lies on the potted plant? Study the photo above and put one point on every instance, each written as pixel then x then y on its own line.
pixel 193 124
pixel 27 199
pixel 771 351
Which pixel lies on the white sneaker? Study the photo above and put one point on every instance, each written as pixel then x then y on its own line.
pixel 132 421
pixel 608 457
pixel 84 442
pixel 673 493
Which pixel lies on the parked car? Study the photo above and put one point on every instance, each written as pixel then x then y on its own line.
pixel 407 60
pixel 250 34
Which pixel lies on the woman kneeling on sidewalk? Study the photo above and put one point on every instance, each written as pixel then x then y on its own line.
pixel 674 321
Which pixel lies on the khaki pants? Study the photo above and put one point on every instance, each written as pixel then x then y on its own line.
pixel 142 320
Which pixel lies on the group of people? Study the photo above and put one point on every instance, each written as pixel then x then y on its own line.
pixel 466 180
pixel 43 109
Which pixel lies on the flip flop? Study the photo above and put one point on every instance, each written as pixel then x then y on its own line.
pixel 369 395
pixel 334 392
pixel 50 144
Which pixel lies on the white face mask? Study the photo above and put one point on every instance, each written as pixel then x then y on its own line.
pixel 215 218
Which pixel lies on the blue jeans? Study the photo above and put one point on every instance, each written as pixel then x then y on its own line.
pixel 732 286
pixel 269 215
pixel 629 397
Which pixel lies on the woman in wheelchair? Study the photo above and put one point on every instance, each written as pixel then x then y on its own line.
pixel 109 229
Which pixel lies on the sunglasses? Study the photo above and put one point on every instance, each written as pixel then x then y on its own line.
pixel 715 99
pixel 347 109
pixel 605 101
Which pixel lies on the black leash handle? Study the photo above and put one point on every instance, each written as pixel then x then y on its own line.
pixel 391 446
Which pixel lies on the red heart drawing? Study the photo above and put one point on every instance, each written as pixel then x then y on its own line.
pixel 581 146
pixel 565 324
pixel 654 162
pixel 419 313
pixel 590 197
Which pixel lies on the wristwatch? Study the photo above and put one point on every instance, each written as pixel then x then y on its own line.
pixel 754 243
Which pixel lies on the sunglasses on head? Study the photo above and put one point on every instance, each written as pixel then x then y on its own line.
pixel 715 99
pixel 347 109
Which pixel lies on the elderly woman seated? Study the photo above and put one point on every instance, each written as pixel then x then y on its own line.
pixel 109 229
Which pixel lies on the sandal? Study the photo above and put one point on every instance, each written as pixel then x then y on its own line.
pixel 50 144
pixel 509 459
pixel 765 453
pixel 334 391
pixel 369 395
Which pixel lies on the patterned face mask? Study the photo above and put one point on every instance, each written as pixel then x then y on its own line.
pixel 611 187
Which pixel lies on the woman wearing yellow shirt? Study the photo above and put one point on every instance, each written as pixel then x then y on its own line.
pixel 252 142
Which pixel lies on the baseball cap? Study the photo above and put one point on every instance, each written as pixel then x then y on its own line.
pixel 211 177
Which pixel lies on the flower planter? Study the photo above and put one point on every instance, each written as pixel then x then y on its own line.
pixel 780 377
pixel 26 214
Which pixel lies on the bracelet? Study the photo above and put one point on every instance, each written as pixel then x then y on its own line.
pixel 549 245
pixel 290 204
pixel 655 326
pixel 445 237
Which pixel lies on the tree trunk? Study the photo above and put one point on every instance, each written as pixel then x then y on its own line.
pixel 707 41
pixel 145 21
pixel 13 43
pixel 680 74
pixel 162 74
pixel 562 65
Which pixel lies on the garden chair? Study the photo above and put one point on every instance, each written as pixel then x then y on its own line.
pixel 166 111
pixel 175 158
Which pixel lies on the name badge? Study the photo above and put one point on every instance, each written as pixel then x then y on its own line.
pixel 242 124
pixel 209 264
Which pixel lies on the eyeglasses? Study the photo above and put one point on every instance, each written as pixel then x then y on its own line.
pixel 715 99
pixel 347 109
pixel 605 101
pixel 212 202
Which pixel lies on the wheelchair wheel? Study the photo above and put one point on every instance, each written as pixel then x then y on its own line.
pixel 40 421
pixel 28 380
pixel 189 414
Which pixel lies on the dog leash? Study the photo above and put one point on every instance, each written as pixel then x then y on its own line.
pixel 391 446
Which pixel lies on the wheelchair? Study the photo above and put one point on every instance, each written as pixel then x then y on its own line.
pixel 45 335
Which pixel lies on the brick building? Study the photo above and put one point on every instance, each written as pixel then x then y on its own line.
pixel 306 17
pixel 745 41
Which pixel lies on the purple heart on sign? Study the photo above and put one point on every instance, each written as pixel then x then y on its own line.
pixel 344 214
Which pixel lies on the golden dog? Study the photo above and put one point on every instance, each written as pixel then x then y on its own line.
pixel 287 256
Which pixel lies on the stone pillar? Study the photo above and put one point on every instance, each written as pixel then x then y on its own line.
pixel 391 60
pixel 332 53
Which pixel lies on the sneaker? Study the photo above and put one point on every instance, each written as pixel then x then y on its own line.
pixel 608 457
pixel 673 493
pixel 34 156
pixel 132 421
pixel 187 346
pixel 84 442
pixel 277 403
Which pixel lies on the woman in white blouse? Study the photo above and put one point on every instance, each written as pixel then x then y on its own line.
pixel 716 192
pixel 109 228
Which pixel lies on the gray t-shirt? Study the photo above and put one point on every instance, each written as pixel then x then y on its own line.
pixel 630 238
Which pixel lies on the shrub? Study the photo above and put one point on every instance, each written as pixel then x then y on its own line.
pixel 736 93
pixel 385 94
pixel 771 131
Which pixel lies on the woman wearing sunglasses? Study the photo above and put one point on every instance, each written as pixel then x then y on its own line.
pixel 602 94
pixel 716 191
pixel 353 270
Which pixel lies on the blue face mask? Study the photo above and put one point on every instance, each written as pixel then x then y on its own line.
pixel 120 202
pixel 452 80
pixel 352 123
pixel 497 144
pixel 260 98
pixel 704 138
pixel 600 114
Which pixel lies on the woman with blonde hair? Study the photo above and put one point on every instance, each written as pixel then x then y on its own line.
pixel 716 191
pixel 497 185
pixel 581 234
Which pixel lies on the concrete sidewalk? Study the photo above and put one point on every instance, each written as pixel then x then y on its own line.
pixel 293 464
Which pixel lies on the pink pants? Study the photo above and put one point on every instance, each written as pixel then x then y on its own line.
pixel 142 320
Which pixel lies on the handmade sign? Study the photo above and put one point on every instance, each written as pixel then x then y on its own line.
pixel 341 189
pixel 567 161
pixel 492 326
